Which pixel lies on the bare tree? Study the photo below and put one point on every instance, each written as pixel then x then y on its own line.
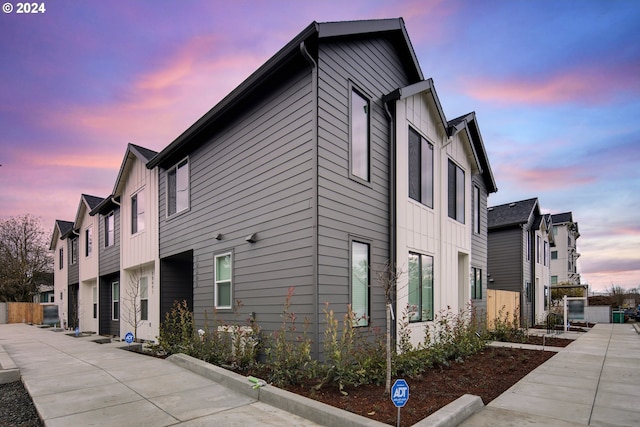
pixel 388 280
pixel 132 309
pixel 25 261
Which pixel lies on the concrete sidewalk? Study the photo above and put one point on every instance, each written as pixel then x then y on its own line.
pixel 594 381
pixel 76 382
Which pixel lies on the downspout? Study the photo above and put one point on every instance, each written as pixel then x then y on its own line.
pixel 392 213
pixel 315 325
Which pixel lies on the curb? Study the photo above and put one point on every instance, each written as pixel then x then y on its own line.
pixel 9 372
pixel 318 412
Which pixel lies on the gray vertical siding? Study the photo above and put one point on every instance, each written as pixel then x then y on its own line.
pixel 253 174
pixel 74 269
pixel 106 325
pixel 347 208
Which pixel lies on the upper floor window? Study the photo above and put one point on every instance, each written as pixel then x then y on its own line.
pixel 360 282
pixel 359 135
pixel 109 230
pixel 137 212
pixel 528 246
pixel 476 209
pixel 554 254
pixel 546 253
pixel 178 188
pixel 88 241
pixel 538 247
pixel 420 169
pixel 61 259
pixel 456 192
pixel 222 282
pixel 74 251
pixel 420 287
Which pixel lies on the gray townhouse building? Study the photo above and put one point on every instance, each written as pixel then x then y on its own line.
pixel 330 160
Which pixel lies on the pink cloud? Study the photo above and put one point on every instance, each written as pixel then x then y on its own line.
pixel 583 84
pixel 541 179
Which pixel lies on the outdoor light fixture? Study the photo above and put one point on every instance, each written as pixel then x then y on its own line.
pixel 218 236
pixel 252 238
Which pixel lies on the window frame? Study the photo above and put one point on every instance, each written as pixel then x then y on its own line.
pixel 95 301
pixel 138 216
pixel 417 316
pixel 476 283
pixel 476 209
pixel 217 281
pixel 456 187
pixel 426 176
pixel 88 241
pixel 185 162
pixel 61 259
pixel 357 175
pixel 361 319
pixel 73 259
pixel 144 297
pixel 115 303
pixel 109 229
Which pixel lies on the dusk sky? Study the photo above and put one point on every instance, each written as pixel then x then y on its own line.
pixel 555 85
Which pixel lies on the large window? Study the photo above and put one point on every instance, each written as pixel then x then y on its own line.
pixel 137 212
pixel 115 300
pixel 476 209
pixel 178 188
pixel 456 192
pixel 360 282
pixel 420 169
pixel 74 251
pixel 88 241
pixel 359 135
pixel 222 285
pixel 109 230
pixel 420 287
pixel 144 299
pixel 476 283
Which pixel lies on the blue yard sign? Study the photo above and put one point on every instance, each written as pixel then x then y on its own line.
pixel 400 393
pixel 128 338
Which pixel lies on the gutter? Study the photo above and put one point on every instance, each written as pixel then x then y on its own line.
pixel 314 153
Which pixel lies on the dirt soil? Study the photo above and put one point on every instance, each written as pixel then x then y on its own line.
pixel 486 374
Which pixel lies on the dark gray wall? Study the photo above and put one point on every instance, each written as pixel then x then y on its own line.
pixel 106 325
pixel 109 261
pixel 176 281
pixel 74 269
pixel 479 241
pixel 505 259
pixel 252 174
pixel 347 207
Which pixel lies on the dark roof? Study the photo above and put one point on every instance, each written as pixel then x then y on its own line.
pixel 92 201
pixel 142 153
pixel 512 214
pixel 471 122
pixel 307 40
pixel 562 217
pixel 61 228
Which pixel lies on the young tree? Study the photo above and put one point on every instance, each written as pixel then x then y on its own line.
pixel 133 311
pixel 25 261
pixel 388 280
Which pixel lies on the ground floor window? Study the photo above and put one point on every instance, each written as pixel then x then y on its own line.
pixel 115 301
pixel 360 282
pixel 476 283
pixel 144 299
pixel 420 287
pixel 222 281
pixel 95 302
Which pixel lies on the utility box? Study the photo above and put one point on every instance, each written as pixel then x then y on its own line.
pixel 618 316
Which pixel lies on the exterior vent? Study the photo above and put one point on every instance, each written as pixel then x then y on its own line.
pixel 511 205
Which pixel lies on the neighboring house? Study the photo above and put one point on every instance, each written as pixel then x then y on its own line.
pixel 86 228
pixel 136 188
pixel 519 241
pixel 564 257
pixel 60 269
pixel 303 176
pixel 108 249
pixel 45 294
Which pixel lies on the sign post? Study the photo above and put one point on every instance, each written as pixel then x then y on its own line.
pixel 399 395
pixel 128 338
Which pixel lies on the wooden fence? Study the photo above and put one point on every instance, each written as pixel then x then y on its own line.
pixel 504 305
pixel 24 312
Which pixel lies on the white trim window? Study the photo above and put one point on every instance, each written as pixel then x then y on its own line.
pixel 223 280
pixel 178 188
pixel 88 241
pixel 420 287
pixel 74 251
pixel 95 302
pixel 476 209
pixel 137 212
pixel 360 279
pixel 456 192
pixel 144 298
pixel 359 120
pixel 109 230
pixel 115 301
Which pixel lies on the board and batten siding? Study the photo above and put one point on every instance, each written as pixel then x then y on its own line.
pixel 74 267
pixel 429 230
pixel 347 208
pixel 253 175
